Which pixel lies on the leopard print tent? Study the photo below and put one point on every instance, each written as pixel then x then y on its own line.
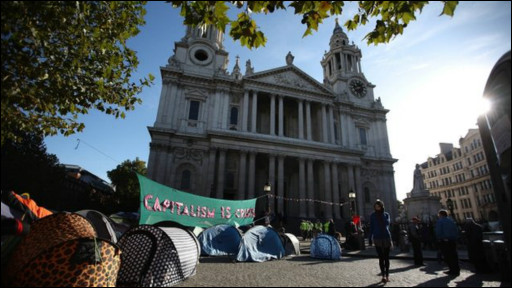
pixel 62 250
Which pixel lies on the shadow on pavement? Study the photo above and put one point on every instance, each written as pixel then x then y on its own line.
pixel 222 259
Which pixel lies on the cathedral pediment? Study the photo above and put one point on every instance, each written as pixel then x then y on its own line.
pixel 291 77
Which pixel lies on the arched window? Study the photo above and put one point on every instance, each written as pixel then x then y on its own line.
pixel 367 195
pixel 233 119
pixel 185 180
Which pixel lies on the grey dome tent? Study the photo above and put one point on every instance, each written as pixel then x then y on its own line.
pixel 101 223
pixel 157 256
pixel 220 240
pixel 325 246
pixel 291 244
pixel 260 244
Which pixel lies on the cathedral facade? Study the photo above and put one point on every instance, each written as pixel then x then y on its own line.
pixel 226 134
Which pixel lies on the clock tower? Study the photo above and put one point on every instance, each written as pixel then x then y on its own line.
pixel 342 70
pixel 201 52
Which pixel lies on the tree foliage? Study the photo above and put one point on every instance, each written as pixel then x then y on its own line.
pixel 125 180
pixel 60 59
pixel 392 16
pixel 28 168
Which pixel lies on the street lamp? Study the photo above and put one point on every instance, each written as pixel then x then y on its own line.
pixel 449 205
pixel 268 188
pixel 352 197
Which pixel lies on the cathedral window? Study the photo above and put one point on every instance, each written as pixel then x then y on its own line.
pixel 362 136
pixel 233 119
pixel 193 113
pixel 185 180
pixel 367 197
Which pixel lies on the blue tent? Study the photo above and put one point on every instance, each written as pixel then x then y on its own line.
pixel 220 240
pixel 260 244
pixel 325 247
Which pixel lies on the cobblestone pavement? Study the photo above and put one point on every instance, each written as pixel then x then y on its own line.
pixel 350 271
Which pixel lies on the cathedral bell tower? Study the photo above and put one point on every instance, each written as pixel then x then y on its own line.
pixel 342 68
pixel 201 52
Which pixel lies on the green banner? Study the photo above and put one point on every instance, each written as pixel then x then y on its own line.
pixel 162 203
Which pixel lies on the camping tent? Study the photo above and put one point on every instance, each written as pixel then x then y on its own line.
pixel 291 244
pixel 325 246
pixel 101 223
pixel 157 256
pixel 61 245
pixel 220 240
pixel 260 244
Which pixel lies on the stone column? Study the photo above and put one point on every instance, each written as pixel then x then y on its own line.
pixel 345 62
pixel 311 194
pixel 351 186
pixel 325 135
pixel 343 129
pixel 242 175
pixel 272 114
pixel 308 120
pixel 152 161
pixel 221 174
pixel 161 115
pixel 301 119
pixel 335 190
pixel 245 113
pixel 272 177
pixel 359 192
pixel 280 183
pixel 327 192
pixel 211 172
pixel 254 111
pixel 331 124
pixel 281 115
pixel 252 174
pixel 302 187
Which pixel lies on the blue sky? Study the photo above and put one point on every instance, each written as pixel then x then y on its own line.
pixel 431 79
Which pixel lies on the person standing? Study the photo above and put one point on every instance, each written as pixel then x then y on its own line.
pixel 475 236
pixel 415 238
pixel 331 228
pixel 447 234
pixel 379 232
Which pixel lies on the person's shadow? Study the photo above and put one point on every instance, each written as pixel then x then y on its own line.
pixel 379 284
pixel 437 282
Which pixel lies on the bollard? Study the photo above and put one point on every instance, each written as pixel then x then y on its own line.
pixel 489 254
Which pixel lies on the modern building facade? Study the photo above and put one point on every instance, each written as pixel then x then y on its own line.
pixel 226 135
pixel 462 175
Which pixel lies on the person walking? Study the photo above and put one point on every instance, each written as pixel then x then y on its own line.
pixel 415 238
pixel 379 232
pixel 447 234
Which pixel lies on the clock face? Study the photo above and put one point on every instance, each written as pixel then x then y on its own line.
pixel 357 88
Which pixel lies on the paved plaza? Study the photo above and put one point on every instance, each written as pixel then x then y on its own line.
pixel 355 269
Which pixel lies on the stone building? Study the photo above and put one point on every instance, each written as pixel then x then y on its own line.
pixel 226 134
pixel 462 175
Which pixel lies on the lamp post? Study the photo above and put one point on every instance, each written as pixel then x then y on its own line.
pixel 449 205
pixel 352 198
pixel 268 188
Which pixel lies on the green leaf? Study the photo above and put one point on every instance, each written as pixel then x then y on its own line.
pixel 449 7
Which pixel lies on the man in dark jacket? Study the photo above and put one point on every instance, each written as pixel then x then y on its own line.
pixel 415 238
pixel 447 234
pixel 474 236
